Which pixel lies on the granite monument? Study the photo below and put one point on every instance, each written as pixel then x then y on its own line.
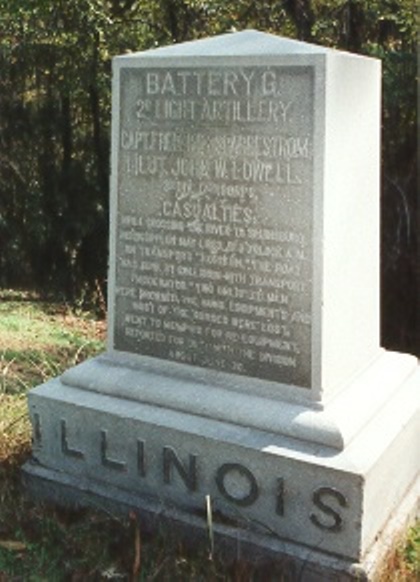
pixel 243 359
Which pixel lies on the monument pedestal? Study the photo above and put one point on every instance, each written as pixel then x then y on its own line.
pixel 330 508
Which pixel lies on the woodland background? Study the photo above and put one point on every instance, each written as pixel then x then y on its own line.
pixel 55 83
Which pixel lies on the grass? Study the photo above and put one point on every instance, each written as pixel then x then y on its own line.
pixel 403 562
pixel 39 340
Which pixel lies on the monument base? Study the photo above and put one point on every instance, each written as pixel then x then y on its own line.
pixel 332 511
pixel 293 560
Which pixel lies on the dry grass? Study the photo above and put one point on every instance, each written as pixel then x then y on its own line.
pixel 402 564
pixel 15 431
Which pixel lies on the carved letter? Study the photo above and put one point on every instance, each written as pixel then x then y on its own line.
pixel 188 475
pixel 110 463
pixel 65 446
pixel 245 500
pixel 335 523
pixel 152 84
pixel 141 467
pixel 280 497
pixel 269 83
pixel 37 428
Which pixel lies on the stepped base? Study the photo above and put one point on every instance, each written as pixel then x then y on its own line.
pixel 331 511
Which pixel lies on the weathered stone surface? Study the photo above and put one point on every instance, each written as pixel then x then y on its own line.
pixel 214 258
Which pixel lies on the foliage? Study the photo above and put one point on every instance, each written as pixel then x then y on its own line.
pixel 55 123
pixel 403 561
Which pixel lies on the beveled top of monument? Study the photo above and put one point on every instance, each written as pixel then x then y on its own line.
pixel 236 44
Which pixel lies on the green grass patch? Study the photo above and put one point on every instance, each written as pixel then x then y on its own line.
pixel 412 549
pixel 38 340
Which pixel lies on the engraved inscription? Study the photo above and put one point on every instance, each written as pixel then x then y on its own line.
pixel 141 464
pixel 237 484
pixel 65 447
pixel 37 434
pixel 188 473
pixel 214 231
pixel 331 520
pixel 105 460
pixel 280 497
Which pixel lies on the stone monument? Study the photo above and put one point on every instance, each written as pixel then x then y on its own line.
pixel 243 361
